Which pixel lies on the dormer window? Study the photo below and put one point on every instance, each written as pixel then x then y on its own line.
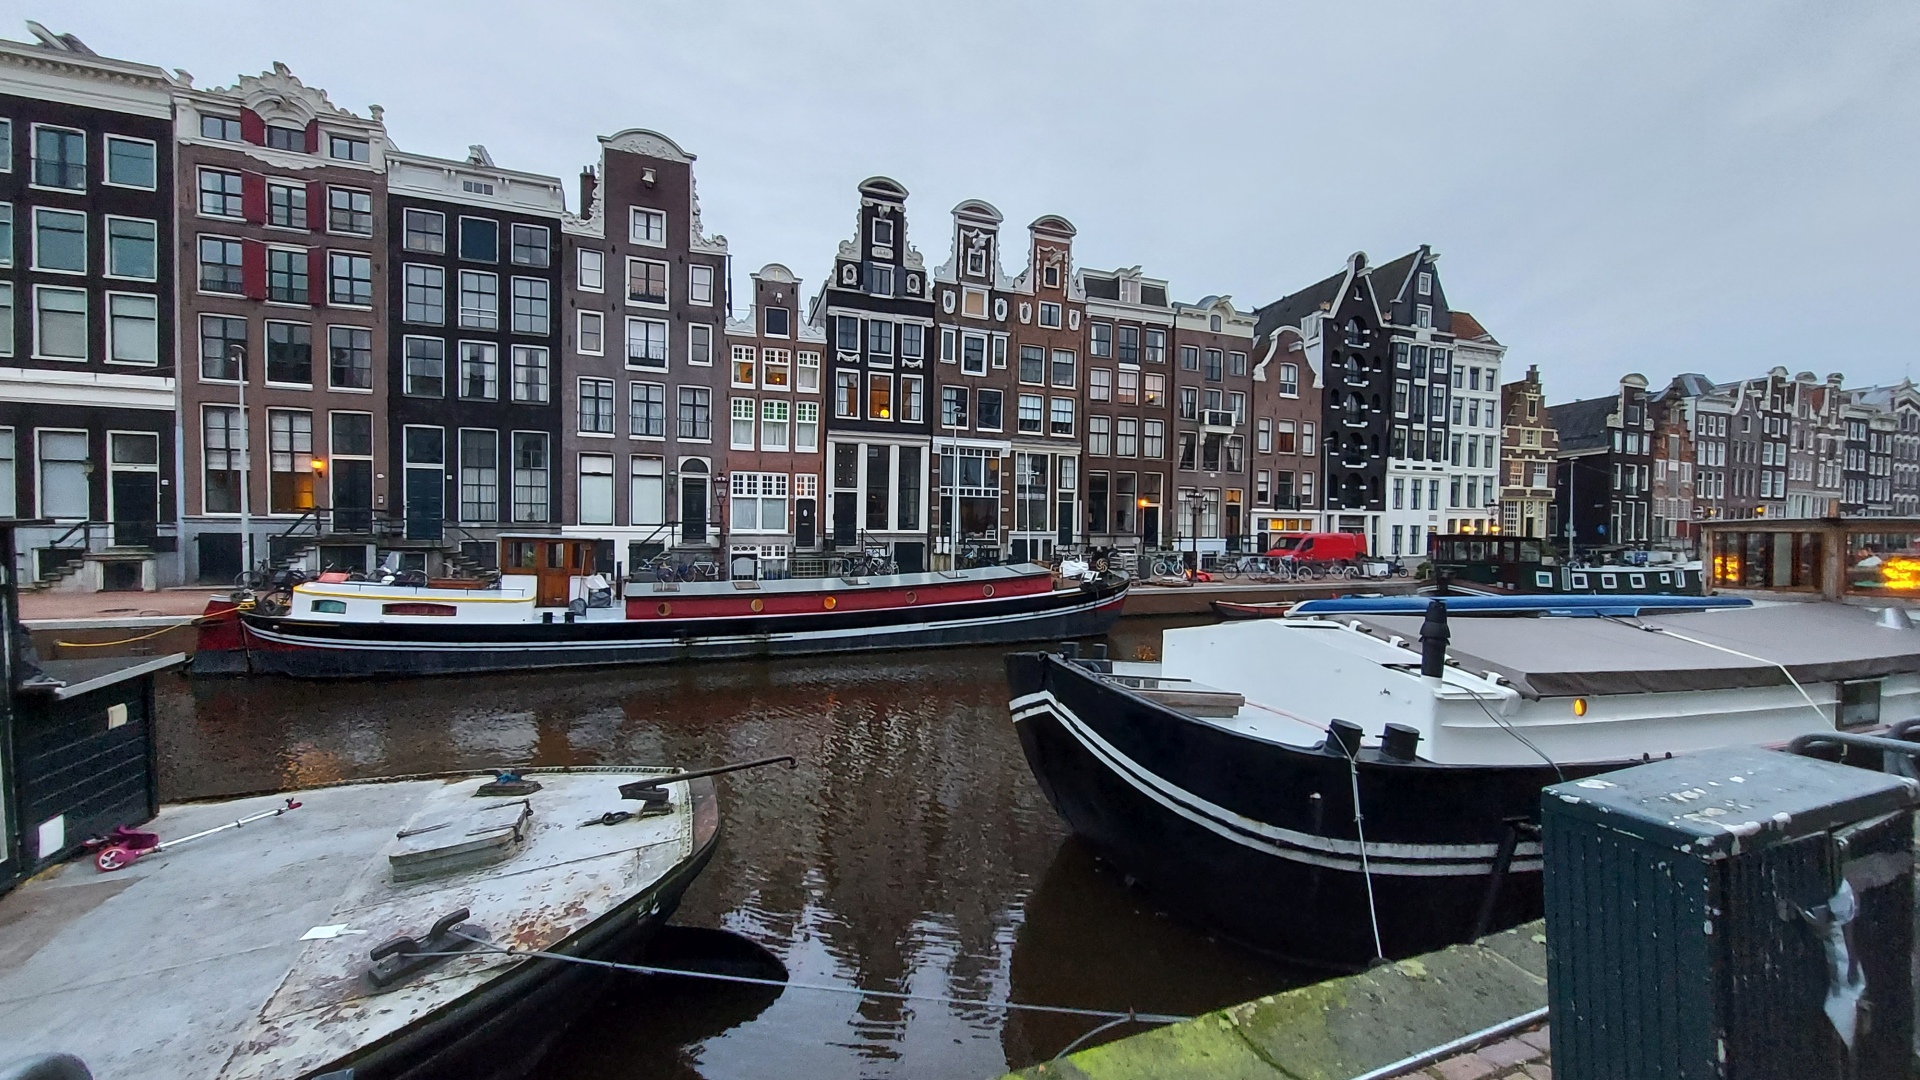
pixel 881 233
pixel 1423 317
pixel 1425 285
pixel 976 262
pixel 280 137
pixel 1050 276
pixel 1213 323
pixel 347 148
pixel 777 319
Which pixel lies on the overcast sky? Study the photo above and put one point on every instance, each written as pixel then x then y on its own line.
pixel 1653 187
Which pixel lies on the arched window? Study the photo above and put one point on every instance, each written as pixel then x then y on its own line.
pixel 1356 332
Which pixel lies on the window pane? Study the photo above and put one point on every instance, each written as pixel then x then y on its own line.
pixel 60 323
pixel 132 249
pixel 59 240
pixel 133 331
pixel 130 163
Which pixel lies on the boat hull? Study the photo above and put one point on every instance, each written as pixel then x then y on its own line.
pixel 501 1030
pixel 259 644
pixel 1256 839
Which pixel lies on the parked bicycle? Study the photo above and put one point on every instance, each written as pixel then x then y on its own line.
pixel 867 564
pixel 1169 566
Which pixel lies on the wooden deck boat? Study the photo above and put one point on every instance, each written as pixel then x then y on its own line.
pixel 249 954
pixel 549 609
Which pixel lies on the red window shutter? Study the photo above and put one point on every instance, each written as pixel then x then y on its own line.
pixel 253 197
pixel 313 136
pixel 316 275
pixel 316 207
pixel 252 128
pixel 253 268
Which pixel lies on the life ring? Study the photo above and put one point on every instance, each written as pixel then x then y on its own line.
pixel 830 603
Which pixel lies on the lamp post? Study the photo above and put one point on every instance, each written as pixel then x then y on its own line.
pixel 239 355
pixel 1196 502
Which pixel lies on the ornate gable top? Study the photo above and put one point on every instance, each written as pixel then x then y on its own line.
pixel 1053 224
pixel 884 189
pixel 279 95
pixel 646 143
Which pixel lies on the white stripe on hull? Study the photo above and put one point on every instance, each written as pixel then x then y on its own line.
pixel 1386 859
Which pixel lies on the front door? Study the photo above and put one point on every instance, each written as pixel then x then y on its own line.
pixel 552 574
pixel 426 494
pixel 136 507
pixel 693 510
pixel 352 496
pixel 846 527
pixel 803 523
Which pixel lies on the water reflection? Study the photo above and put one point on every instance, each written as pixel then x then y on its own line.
pixel 909 851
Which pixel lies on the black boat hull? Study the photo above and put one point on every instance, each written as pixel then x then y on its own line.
pixel 317 650
pixel 1257 839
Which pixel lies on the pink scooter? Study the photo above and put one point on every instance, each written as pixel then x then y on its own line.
pixel 126 845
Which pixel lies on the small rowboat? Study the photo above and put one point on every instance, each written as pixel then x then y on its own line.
pixel 1228 609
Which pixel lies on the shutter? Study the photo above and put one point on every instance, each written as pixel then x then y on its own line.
pixel 316 276
pixel 253 269
pixel 252 128
pixel 316 207
pixel 253 197
pixel 313 136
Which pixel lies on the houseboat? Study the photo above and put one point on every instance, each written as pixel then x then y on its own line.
pixel 549 608
pixel 1485 562
pixel 1361 779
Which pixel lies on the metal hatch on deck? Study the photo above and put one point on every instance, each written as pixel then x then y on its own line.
pixel 449 838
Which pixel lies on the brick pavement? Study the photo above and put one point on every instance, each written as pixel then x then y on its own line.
pixel 1522 1057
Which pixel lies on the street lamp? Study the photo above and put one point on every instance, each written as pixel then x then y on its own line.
pixel 1196 502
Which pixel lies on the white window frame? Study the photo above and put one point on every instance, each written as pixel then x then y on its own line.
pixel 86 240
pixel 86 151
pixel 110 328
pixel 86 311
pixel 598 261
pixel 106 247
pixel 580 333
pixel 694 287
pixel 106 162
pixel 638 234
pixel 666 344
pixel 696 333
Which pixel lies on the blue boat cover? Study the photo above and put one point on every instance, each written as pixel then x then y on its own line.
pixel 1564 606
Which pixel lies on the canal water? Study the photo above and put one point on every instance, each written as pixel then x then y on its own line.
pixel 909 851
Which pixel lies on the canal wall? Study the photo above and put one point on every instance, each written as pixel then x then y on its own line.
pixel 1338 1029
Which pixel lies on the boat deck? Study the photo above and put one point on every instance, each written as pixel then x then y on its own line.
pixel 255 937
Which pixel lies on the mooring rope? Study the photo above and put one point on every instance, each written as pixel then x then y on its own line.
pixel 753 980
pixel 123 641
pixel 1366 870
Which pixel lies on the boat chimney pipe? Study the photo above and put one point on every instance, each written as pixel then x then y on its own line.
pixel 1433 640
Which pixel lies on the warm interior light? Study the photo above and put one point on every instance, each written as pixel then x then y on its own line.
pixel 319 465
pixel 1143 504
pixel 1579 706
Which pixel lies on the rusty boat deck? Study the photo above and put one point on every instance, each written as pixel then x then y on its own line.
pixel 245 953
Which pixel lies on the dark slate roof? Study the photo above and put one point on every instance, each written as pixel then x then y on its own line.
pixel 1290 309
pixel 1389 279
pixel 1582 425
pixel 1693 384
pixel 1100 287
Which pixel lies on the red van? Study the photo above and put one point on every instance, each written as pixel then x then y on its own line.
pixel 1319 547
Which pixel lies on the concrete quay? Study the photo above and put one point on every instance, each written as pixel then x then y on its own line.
pixel 1416 1018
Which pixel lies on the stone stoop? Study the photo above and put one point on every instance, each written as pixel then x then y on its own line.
pixel 1349 1026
